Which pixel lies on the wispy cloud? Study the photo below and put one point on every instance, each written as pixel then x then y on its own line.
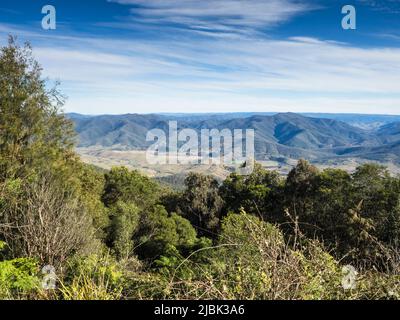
pixel 216 16
pixel 9 11
pixel 391 6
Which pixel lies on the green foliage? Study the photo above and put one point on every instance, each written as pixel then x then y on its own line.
pixel 93 278
pixel 256 193
pixel 249 253
pixel 300 187
pixel 90 186
pixel 321 277
pixel 18 277
pixel 201 204
pixel 377 286
pixel 124 223
pixel 160 230
pixel 353 214
pixel 39 172
pixel 129 186
pixel 380 196
pixel 251 261
pixel 33 135
pixel 186 233
pixel 157 232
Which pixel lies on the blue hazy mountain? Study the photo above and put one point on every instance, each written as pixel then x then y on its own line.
pixel 317 137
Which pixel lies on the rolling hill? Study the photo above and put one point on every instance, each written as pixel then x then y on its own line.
pixel 277 136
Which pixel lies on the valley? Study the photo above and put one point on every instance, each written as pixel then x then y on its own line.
pixel 280 141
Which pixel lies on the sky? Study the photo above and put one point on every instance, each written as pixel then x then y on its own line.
pixel 151 56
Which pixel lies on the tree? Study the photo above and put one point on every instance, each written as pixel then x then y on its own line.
pixel 89 186
pixel 33 134
pixel 47 205
pixel 201 203
pixel 124 223
pixel 300 188
pixel 159 230
pixel 129 186
pixel 301 180
pixel 258 193
pixel 186 233
pixel 356 215
pixel 378 194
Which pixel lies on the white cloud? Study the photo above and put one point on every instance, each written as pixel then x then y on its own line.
pixel 225 16
pixel 218 74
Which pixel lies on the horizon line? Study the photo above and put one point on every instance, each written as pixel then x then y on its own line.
pixel 235 112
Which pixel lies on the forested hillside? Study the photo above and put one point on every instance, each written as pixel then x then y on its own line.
pixel 283 136
pixel 70 231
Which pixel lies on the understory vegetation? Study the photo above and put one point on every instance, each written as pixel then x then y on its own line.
pixel 71 231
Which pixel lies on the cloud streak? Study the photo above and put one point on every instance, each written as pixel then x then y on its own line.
pixel 391 6
pixel 216 16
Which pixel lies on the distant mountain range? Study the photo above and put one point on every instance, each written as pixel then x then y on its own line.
pixel 279 137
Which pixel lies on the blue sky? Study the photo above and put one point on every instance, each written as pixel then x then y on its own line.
pixel 144 56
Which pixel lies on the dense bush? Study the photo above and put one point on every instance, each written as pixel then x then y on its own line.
pixel 159 230
pixel 201 203
pixel 18 277
pixel 124 222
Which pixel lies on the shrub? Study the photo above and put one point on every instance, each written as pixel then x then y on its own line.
pixel 160 230
pixel 92 278
pixel 124 222
pixel 18 277
pixel 43 221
